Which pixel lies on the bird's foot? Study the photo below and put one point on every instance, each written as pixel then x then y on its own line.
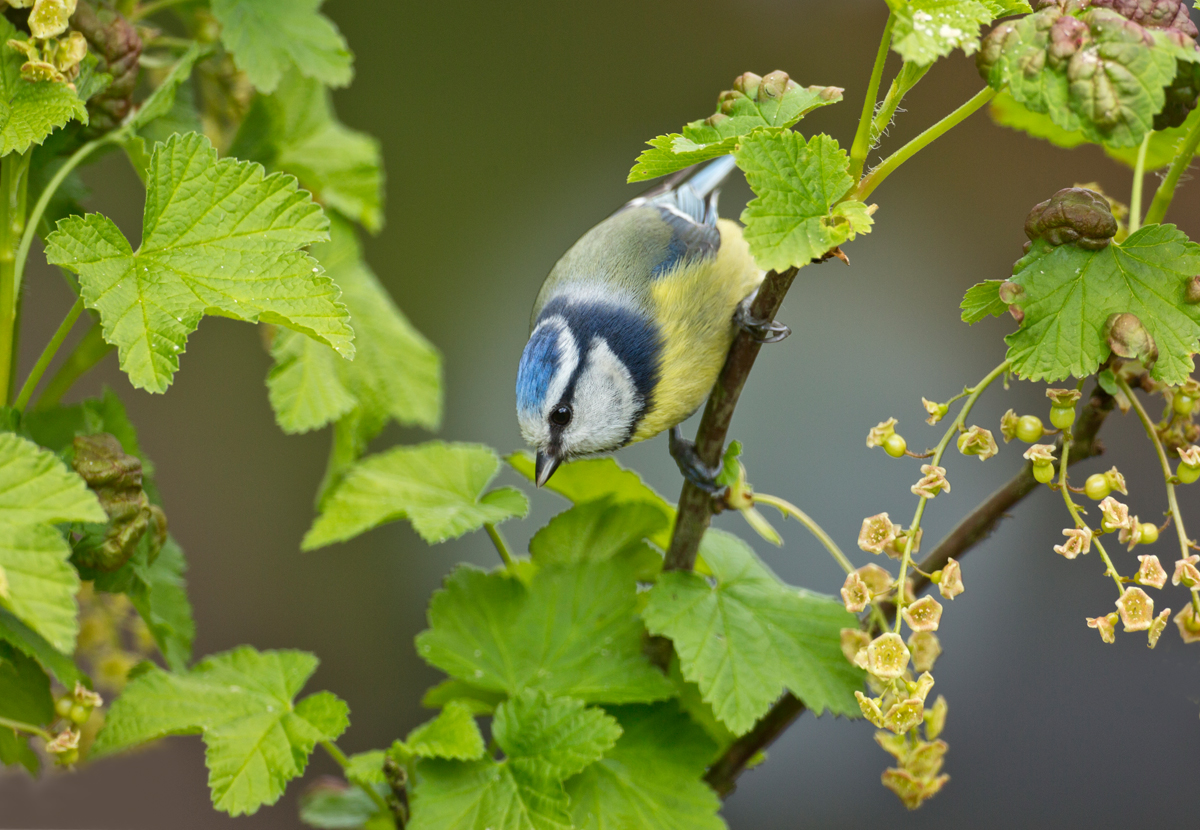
pixel 764 331
pixel 692 467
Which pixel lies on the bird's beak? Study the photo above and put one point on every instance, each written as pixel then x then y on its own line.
pixel 545 467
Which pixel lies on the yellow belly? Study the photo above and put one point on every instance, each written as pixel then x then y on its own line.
pixel 694 307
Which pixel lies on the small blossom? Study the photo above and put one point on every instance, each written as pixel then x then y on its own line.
pixel 978 441
pixel 870 709
pixel 895 745
pixel 887 656
pixel 64 741
pixel 1106 625
pixel 911 790
pixel 1008 425
pixel 950 582
pixel 86 696
pixel 855 595
pixel 904 716
pixel 925 649
pixel 877 580
pixel 923 615
pixel 1189 455
pixel 933 483
pixel 1189 625
pixel 854 640
pixel 1116 481
pixel 1063 397
pixel 1114 515
pixel 920 689
pixel 1040 453
pixel 1136 608
pixel 935 718
pixel 877 533
pixel 880 432
pixel 926 759
pixel 1158 627
pixel 896 549
pixel 1079 540
pixel 1186 573
pixel 936 411
pixel 1131 534
pixel 1151 572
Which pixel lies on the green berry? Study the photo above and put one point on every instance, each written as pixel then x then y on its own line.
pixel 1030 429
pixel 895 445
pixel 1062 416
pixel 1097 487
pixel 79 714
pixel 62 706
pixel 1183 404
pixel 65 759
pixel 1044 473
pixel 1187 473
pixel 1148 534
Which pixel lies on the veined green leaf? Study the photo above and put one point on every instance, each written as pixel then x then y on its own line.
pixel 34 645
pixel 926 30
pixel 598 530
pixel 982 300
pixel 30 111
pixel 267 37
pixel 486 795
pixel 452 734
pixel 560 734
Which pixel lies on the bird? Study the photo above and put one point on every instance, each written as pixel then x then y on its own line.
pixel 631 327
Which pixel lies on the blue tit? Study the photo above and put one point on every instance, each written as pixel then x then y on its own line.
pixel 631 327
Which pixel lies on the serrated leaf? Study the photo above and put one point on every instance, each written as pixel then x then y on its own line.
pixel 366 767
pixel 452 734
pixel 36 492
pixel 702 140
pixel 34 645
pixel 267 37
pixel 1006 8
pixel 30 111
pixel 1070 293
pixel 748 637
pixel 982 300
pixel 795 216
pixel 241 702
pixel 563 735
pixel 485 795
pixel 925 30
pixel 570 632
pixel 395 374
pixel 439 487
pixel 218 237
pixel 160 597
pixel 600 530
pixel 651 778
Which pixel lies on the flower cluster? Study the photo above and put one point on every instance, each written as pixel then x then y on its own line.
pixel 47 56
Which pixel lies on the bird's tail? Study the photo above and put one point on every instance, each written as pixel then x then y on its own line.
pixel 707 178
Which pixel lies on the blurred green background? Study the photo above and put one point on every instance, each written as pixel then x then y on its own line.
pixel 508 130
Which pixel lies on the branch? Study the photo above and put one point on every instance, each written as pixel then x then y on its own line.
pixel 722 775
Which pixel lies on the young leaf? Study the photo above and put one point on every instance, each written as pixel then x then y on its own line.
pixel 749 636
pixel 241 702
pixel 1070 293
pixel 217 237
pixel 329 804
pixel 599 530
pixel 267 37
pixel 24 697
pixel 651 778
pixel 36 492
pixel 982 300
pixel 476 700
pixel 795 216
pixel 30 111
pixel 562 734
pixel 159 594
pixel 438 487
pixel 395 374
pixel 366 767
pixel 452 734
pixel 162 100
pixel 32 644
pixel 926 30
pixel 486 795
pixel 569 632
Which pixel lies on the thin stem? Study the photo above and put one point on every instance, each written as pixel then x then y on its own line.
pixel 14 185
pixel 88 352
pixel 1152 434
pixel 862 136
pixel 47 355
pixel 501 546
pixel 908 77
pixel 147 9
pixel 26 727
pixel 1166 188
pixel 888 166
pixel 1139 175
pixel 336 754
pixel 1073 509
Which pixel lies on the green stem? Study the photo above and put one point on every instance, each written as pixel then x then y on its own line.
pixel 47 355
pixel 1166 189
pixel 888 166
pixel 26 727
pixel 89 351
pixel 501 546
pixel 336 754
pixel 147 9
pixel 1139 175
pixel 1073 509
pixel 14 185
pixel 908 77
pixel 862 137
pixel 915 528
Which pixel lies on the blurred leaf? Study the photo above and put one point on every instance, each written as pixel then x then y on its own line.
pixel 267 37
pixel 569 632
pixel 982 300
pixel 162 99
pixel 15 749
pixel 452 734
pixel 476 700
pixel 241 702
pixel 160 596
pixel 332 805
pixel 30 111
pixel 366 767
pixel 561 734
pixel 438 487
pixel 486 795
pixel 795 216
pixel 745 639
pixel 24 689
pixel 599 530
pixel 925 30
pixel 30 643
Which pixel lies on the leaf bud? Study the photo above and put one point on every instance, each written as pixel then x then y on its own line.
pixel 1188 624
pixel 1186 573
pixel 1114 515
pixel 853 641
pixel 923 615
pixel 933 482
pixel 887 656
pixel 1150 572
pixel 877 580
pixel 1079 540
pixel 925 649
pixel 1128 338
pixel 904 716
pixel 1106 625
pixel 979 442
pixel 1073 215
pixel 1158 627
pixel 1136 609
pixel 877 533
pixel 870 709
pixel 855 594
pixel 950 582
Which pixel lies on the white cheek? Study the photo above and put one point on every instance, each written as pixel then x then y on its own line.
pixel 534 426
pixel 606 403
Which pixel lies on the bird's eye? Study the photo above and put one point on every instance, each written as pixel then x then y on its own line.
pixel 561 416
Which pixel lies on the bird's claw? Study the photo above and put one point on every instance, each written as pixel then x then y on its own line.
pixel 763 331
pixel 692 467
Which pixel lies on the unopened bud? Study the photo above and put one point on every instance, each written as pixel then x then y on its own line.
pixel 926 759
pixel 935 718
pixel 1128 338
pixel 911 790
pixel 747 83
pixel 870 709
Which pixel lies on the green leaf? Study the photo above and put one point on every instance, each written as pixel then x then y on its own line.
pixel 331 805
pixel 925 30
pixel 436 486
pixel 296 130
pixel 30 111
pixel 600 530
pixel 395 374
pixel 160 597
pixel 476 700
pixel 569 632
pixel 32 644
pixel 982 300
pixel 218 237
pixel 267 37
pixel 36 492
pixel 366 767
pixel 452 734
pixel 1070 293
pixel 745 639
pixel 24 689
pixel 562 735
pixel 241 702
pixel 1006 8
pixel 15 749
pixel 486 795
pixel 718 136
pixel 795 216
pixel 162 100
pixel 652 778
